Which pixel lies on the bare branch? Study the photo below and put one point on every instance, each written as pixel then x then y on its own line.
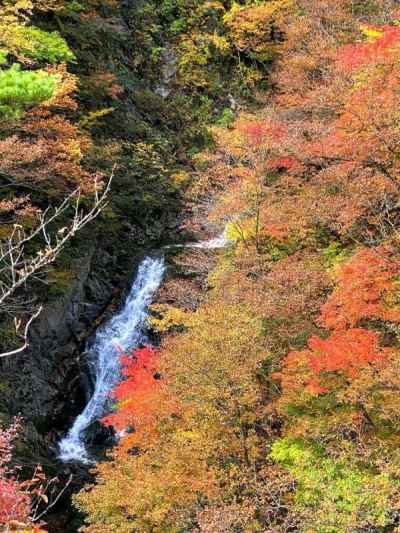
pixel 17 266
pixel 37 516
pixel 25 335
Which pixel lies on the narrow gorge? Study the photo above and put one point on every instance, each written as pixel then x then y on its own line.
pixel 199 266
pixel 126 331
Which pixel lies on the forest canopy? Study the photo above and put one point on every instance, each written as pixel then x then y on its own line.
pixel 270 401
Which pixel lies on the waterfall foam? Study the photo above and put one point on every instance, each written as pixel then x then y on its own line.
pixel 125 330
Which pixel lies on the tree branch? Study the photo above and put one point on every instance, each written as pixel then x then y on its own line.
pixel 17 266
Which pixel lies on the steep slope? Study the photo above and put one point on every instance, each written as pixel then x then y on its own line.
pixel 278 407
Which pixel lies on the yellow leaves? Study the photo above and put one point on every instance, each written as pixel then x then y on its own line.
pixel 224 269
pixel 167 317
pixel 212 5
pixel 220 43
pixel 73 148
pixel 68 83
pixel 241 231
pixel 371 33
pixel 251 27
pixel 153 488
pixel 13 39
pixel 194 55
pixel 14 11
pixel 230 141
pixel 186 437
pixel 211 369
pixel 215 360
pixel 93 117
pixel 201 452
pixel 180 178
pixel 28 43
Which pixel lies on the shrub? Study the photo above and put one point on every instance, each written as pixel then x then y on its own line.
pixel 47 47
pixel 20 89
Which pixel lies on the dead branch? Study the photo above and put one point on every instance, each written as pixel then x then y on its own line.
pixel 17 266
pixel 25 335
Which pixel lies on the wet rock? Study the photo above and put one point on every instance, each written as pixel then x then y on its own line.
pixel 45 383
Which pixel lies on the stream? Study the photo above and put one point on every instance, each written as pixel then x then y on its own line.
pixel 126 330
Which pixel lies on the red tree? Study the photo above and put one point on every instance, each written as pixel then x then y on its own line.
pixel 142 400
pixel 366 289
pixel 14 500
pixel 134 393
pixel 344 353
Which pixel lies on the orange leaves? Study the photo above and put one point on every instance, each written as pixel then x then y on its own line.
pixel 175 458
pixel 259 132
pixel 289 163
pixel 135 392
pixel 297 177
pixel 310 43
pixel 63 97
pixel 48 148
pixel 142 398
pixel 365 289
pixel 277 231
pixel 105 83
pixel 367 123
pixel 296 373
pixel 53 152
pixel 256 132
pixel 343 121
pixel 380 48
pixel 344 352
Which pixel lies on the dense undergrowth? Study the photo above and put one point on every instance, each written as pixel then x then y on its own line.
pixel 274 405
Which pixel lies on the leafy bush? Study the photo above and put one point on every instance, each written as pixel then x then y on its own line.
pixel 20 89
pixel 44 46
pixel 335 254
pixel 226 118
pixel 339 493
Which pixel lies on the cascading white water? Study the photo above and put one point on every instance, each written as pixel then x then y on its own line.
pixel 216 242
pixel 124 331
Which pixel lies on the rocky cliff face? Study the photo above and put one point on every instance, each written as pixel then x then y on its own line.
pixel 44 384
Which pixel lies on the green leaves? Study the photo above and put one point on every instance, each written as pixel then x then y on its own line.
pixel 47 47
pixel 340 494
pixel 31 44
pixel 20 89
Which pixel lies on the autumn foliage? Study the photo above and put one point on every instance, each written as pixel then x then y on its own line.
pixel 279 389
pixel 133 394
pixel 141 398
pixel 14 500
pixel 342 352
pixel 366 287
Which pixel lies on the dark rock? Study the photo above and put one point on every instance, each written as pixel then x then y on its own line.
pixel 46 384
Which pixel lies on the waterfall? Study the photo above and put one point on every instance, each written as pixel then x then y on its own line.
pixel 126 330
pixel 217 242
pixel 221 241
